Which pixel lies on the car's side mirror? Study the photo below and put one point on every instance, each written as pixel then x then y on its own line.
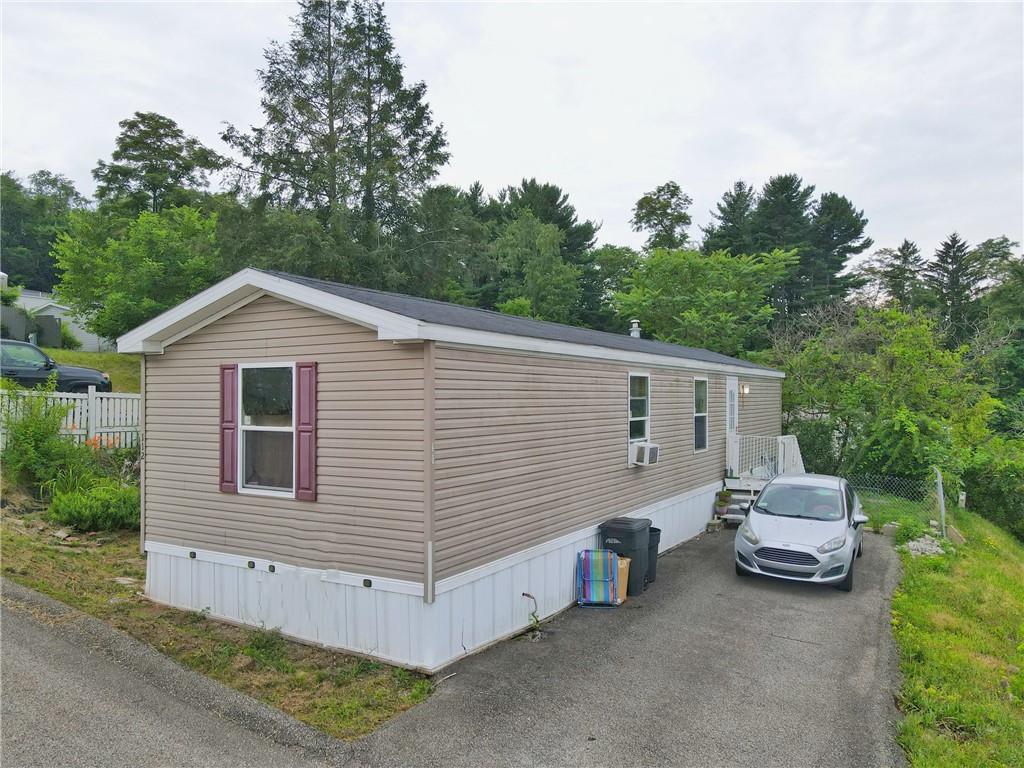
pixel 859 519
pixel 49 364
pixel 745 507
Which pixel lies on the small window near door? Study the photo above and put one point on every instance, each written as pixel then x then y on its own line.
pixel 700 414
pixel 639 407
pixel 730 411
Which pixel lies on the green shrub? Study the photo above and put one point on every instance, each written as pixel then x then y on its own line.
pixel 34 449
pixel 909 530
pixel 817 444
pixel 994 481
pixel 106 506
pixel 68 340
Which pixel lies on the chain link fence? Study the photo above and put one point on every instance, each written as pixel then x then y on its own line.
pixel 913 503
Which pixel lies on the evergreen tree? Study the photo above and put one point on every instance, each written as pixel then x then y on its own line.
pixel 663 214
pixel 825 232
pixel 550 204
pixel 732 226
pixel 781 218
pixel 900 274
pixel 436 245
pixel 154 165
pixel 837 234
pixel 343 131
pixel 954 277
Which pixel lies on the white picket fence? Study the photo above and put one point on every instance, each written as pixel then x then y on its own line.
pixel 112 417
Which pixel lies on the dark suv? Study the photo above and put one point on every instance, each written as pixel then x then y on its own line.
pixel 28 365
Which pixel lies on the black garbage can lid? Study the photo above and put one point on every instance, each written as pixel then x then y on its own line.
pixel 626 524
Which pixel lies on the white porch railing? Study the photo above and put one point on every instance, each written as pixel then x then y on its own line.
pixel 763 456
pixel 112 417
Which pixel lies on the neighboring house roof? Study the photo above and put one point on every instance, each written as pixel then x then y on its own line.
pixel 37 301
pixel 407 318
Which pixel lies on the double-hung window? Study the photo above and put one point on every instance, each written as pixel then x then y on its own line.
pixel 267 428
pixel 639 407
pixel 700 414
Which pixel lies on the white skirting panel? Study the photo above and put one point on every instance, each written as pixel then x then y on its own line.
pixel 388 619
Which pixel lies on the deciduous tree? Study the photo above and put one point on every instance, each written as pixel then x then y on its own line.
pixel 154 165
pixel 663 214
pixel 717 301
pixel 117 284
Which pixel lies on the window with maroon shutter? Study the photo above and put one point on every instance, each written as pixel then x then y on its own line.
pixel 305 431
pixel 229 428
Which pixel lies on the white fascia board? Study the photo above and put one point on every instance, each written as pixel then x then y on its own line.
pixel 245 286
pixel 473 338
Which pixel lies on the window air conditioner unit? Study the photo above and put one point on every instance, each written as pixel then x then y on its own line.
pixel 644 454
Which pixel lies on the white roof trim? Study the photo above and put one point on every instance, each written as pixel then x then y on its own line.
pixel 244 286
pixel 249 284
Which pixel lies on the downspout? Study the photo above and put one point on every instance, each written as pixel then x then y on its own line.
pixel 428 471
pixel 142 454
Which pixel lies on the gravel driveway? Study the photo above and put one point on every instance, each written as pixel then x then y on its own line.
pixel 705 669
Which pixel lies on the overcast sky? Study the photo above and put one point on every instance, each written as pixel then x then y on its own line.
pixel 913 111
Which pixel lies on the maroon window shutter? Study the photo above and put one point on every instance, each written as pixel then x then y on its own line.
pixel 229 429
pixel 305 431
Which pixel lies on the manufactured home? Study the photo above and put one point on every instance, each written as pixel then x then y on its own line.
pixel 411 479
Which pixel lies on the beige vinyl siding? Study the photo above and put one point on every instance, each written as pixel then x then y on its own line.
pixel 529 447
pixel 368 516
pixel 761 410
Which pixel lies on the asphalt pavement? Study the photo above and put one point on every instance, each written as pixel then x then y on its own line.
pixel 705 669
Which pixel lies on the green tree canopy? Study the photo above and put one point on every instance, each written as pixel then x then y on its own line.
pixel 731 228
pixel 874 391
pixel 955 276
pixel 528 257
pixel 342 130
pixel 900 274
pixel 31 217
pixel 117 284
pixel 663 214
pixel 717 301
pixel 154 165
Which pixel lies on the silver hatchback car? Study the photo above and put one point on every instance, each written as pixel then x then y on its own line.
pixel 802 528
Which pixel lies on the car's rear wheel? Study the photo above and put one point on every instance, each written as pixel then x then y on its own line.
pixel 741 571
pixel 846 584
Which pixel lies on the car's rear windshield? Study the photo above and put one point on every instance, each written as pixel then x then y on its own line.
pixel 812 502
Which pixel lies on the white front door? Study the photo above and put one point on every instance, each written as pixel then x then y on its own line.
pixel 732 418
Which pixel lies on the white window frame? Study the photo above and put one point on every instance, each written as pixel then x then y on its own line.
pixel 629 411
pixel 242 429
pixel 707 406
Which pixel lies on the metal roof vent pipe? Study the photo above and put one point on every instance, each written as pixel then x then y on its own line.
pixel 634 328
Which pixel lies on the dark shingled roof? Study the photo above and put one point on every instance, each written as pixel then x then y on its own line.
pixel 444 313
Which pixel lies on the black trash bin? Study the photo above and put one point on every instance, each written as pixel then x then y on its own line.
pixel 653 540
pixel 629 537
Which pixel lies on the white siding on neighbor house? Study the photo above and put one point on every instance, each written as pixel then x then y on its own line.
pixel 368 516
pixel 528 448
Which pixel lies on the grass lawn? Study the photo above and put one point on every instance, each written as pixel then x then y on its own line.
pixel 958 620
pixel 342 695
pixel 123 369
